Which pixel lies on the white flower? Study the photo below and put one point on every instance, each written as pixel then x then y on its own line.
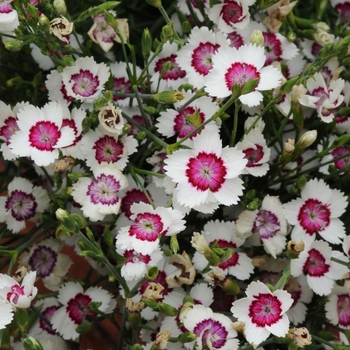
pixel 232 66
pixel 8 17
pixel 23 202
pixel 41 133
pixel 338 307
pixel 207 175
pixel 20 295
pixel 6 311
pixel 317 211
pixel 263 312
pixel 75 302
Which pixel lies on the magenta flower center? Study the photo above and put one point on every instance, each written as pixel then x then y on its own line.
pixel 121 85
pixel 133 196
pixel 44 135
pixel 265 310
pixel 16 292
pixel 233 260
pixel 201 57
pixel 211 334
pixel 77 308
pixel 266 224
pixel 108 149
pixel 48 313
pixel 9 128
pixel 147 227
pixel 5 8
pixel 43 260
pixel 173 72
pixel 22 205
pixel 187 120
pixel 273 47
pixel 321 94
pixel 315 265
pixel 135 257
pixel 231 12
pixel 254 155
pixel 314 216
pixel 235 39
pixel 343 309
pixel 85 83
pixel 344 10
pixel 206 171
pixel 240 73
pixel 104 190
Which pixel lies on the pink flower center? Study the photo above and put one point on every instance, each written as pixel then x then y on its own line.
pixel 266 224
pixel 206 171
pixel 5 8
pixel 344 10
pixel 321 94
pixel 121 85
pixel 265 310
pixel 22 205
pixel 187 120
pixel 77 308
pixel 134 257
pixel 314 216
pixel 147 228
pixel 211 334
pixel 201 57
pixel 9 128
pixel 133 196
pixel 273 47
pixel 108 149
pixel 16 292
pixel 104 190
pixel 44 135
pixel 233 260
pixel 48 313
pixel 43 260
pixel 235 39
pixel 343 309
pixel 174 72
pixel 315 48
pixel 231 12
pixel 85 83
pixel 254 155
pixel 315 265
pixel 240 73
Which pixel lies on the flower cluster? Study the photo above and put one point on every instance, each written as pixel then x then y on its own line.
pixel 186 179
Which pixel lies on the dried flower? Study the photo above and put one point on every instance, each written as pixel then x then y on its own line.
pixel 61 27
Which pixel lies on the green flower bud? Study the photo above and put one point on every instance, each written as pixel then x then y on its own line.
pixel 62 231
pixel 67 220
pixel 75 176
pixel 167 31
pixel 301 182
pixel 141 135
pixel 250 86
pixel 13 45
pixel 152 273
pixel 168 310
pixel 108 95
pixel 254 204
pixel 166 97
pixel 126 129
pixel 307 139
pixel 86 124
pixel 69 60
pixel 146 43
pixel 187 337
pixel 83 327
pixel 341 140
pixel 44 23
pixel 155 3
pixel 291 36
pixel 60 6
pixel 32 10
pixel 174 244
pixel 186 27
pixel 31 344
pixel 150 110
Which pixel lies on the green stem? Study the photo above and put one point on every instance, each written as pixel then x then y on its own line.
pixel 235 123
pixel 122 329
pixel 167 20
pixel 322 341
pixel 340 262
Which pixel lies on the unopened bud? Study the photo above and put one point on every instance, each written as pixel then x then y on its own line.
pixel 44 22
pixel 13 45
pixel 60 6
pixel 257 38
pixel 323 38
pixel 67 220
pixel 146 42
pixel 307 139
pixel 199 243
pixel 155 3
pixel 31 344
pixel 167 97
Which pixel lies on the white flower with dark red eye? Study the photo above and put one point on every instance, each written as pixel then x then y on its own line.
pixel 230 14
pixel 263 312
pixel 149 225
pixel 207 174
pixel 256 152
pixel 213 330
pixel 8 17
pixel 45 258
pixel 172 77
pixel 195 57
pixel 99 146
pixel 232 66
pixel 41 133
pixel 6 312
pixel 321 272
pixel 338 307
pixel 100 196
pixel 183 120
pixel 85 80
pixel 23 202
pixel 317 211
pixel 239 264
pixel 8 126
pixel 20 295
pixel 75 310
pixel 56 88
pixel 266 226
pixel 122 83
pixel 325 99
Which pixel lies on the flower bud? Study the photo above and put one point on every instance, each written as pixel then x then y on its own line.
pixel 13 45
pixel 167 97
pixel 199 243
pixel 187 337
pixel 146 43
pixel 307 139
pixel 300 336
pixel 161 341
pixel 60 6
pixel 187 306
pixel 110 117
pixel 167 31
pixel 44 22
pixel 155 3
pixel 21 317
pixel 323 38
pixel 31 343
pixel 257 38
pixel 67 220
pixel 168 310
